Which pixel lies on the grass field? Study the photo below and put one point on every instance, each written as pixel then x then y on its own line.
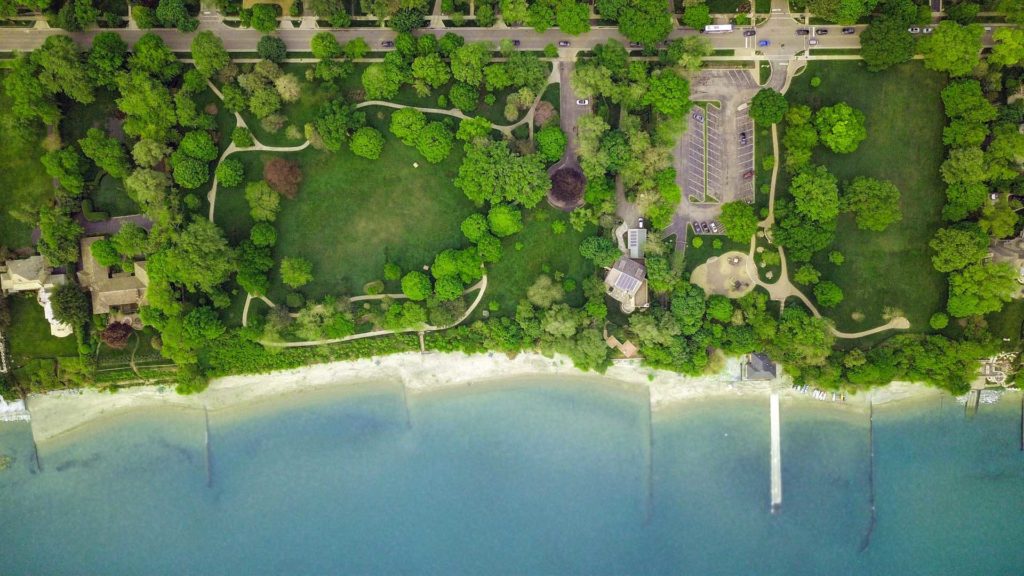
pixel 78 118
pixel 543 252
pixel 25 182
pixel 726 6
pixel 351 212
pixel 110 197
pixel 904 123
pixel 30 336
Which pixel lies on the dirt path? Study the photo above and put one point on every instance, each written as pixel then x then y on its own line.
pixel 480 287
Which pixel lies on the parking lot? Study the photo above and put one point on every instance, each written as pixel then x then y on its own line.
pixel 745 156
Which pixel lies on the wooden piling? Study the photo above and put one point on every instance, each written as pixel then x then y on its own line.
pixel 209 464
pixel 866 541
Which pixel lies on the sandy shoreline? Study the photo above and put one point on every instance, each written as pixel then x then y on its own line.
pixel 57 413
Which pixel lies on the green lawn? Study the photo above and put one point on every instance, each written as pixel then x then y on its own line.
pixel 25 182
pixel 543 252
pixel 727 6
pixel 79 118
pixel 29 336
pixel 110 197
pixel 1006 324
pixel 904 123
pixel 350 212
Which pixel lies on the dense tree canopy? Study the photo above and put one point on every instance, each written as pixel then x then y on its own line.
pixel 739 221
pixel 952 48
pixel 874 203
pixel 958 247
pixel 768 106
pixel 492 173
pixel 208 53
pixel 840 127
pixel 981 288
pixel 816 192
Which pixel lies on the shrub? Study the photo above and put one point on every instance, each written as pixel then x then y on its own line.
pixel 416 285
pixel 505 220
pixel 938 321
pixel 697 242
pixel 367 142
pixel 263 201
pixel 294 300
pixel 296 272
pixel 116 335
pixel 283 175
pixel 392 271
pixel 263 234
pixel 242 137
pixel 230 172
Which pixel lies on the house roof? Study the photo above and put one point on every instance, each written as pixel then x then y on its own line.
pixel 626 276
pixel 759 367
pixel 108 291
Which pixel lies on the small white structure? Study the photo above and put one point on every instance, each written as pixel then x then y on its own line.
pixel 57 328
pixel 13 411
pixel 636 241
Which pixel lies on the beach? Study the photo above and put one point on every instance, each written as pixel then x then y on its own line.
pixel 57 413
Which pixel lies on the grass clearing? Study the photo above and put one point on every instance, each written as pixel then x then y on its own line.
pixel 110 197
pixel 542 252
pixel 904 123
pixel 25 183
pixel 351 213
pixel 29 335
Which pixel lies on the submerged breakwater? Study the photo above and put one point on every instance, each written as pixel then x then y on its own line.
pixel 543 477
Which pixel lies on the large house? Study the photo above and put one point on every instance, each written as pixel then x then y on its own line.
pixel 117 293
pixel 627 283
pixel 33 274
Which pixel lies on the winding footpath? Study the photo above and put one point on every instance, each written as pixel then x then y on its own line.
pixel 480 287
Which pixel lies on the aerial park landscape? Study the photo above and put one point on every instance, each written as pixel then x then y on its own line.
pixel 764 258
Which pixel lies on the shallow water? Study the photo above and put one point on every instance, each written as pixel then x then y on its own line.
pixel 536 478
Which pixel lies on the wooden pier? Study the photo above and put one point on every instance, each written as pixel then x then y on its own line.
pixel 776 454
pixel 206 443
pixel 973 400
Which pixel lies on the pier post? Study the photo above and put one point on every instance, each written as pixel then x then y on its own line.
pixel 206 443
pixel 776 454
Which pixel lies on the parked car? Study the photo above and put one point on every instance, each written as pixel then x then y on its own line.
pixel 802 31
pixel 714 227
pixel 698 116
pixel 750 32
pixel 516 43
pixel 821 31
pixel 583 102
pixel 763 43
pixel 927 30
pixel 563 43
pixel 387 44
pixel 849 30
pixel 635 45
pixel 813 41
pixel 748 174
pixel 704 227
pixel 743 138
pixel 640 222
pixel 914 30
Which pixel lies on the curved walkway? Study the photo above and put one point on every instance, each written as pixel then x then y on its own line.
pixel 481 286
pixel 783 288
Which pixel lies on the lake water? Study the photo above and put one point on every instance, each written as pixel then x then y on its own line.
pixel 538 477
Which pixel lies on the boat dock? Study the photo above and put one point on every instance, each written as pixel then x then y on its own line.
pixel 776 454
pixel 973 400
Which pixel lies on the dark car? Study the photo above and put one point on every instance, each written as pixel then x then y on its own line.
pixel 516 42
pixel 387 44
pixel 750 32
pixel 802 31
pixel 698 116
pixel 563 43
pixel 704 227
pixel 821 31
pixel 849 30
pixel 743 138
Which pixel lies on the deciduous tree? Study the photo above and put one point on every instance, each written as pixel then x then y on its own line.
pixel 296 272
pixel 874 203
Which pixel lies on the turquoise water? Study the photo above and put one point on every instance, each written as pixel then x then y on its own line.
pixel 534 478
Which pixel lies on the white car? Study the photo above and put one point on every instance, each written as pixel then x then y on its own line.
pixel 813 41
pixel 583 102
